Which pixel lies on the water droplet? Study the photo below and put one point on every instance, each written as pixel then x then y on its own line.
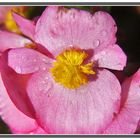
pixel 22 57
pixel 96 43
pixel 44 68
pixel 103 53
pixel 44 60
pixel 44 82
pixel 46 78
pixel 104 33
pixel 18 69
pixel 45 87
pixel 34 60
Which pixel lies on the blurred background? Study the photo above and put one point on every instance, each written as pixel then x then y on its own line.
pixel 128 36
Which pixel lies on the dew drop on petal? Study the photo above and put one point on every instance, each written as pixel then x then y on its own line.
pixel 34 60
pixel 45 86
pixel 46 78
pixel 44 60
pixel 103 53
pixel 48 86
pixel 18 69
pixel 22 57
pixel 44 68
pixel 96 43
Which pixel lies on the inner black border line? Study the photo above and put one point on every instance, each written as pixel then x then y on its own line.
pixel 72 4
pixel 68 136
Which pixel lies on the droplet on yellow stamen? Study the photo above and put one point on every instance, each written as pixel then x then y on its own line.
pixel 10 24
pixel 69 69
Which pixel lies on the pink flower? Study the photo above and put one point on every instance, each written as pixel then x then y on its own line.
pixel 69 89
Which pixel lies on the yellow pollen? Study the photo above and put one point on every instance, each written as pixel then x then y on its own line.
pixel 69 69
pixel 31 46
pixel 10 24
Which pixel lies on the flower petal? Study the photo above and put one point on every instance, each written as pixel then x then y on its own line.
pixel 39 130
pixel 36 130
pixel 26 26
pixel 15 108
pixel 57 29
pixel 24 60
pixel 86 110
pixel 10 40
pixel 13 117
pixel 17 94
pixel 126 121
pixel 111 57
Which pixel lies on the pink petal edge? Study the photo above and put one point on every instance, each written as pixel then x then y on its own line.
pixel 24 60
pixel 126 121
pixel 59 29
pixel 13 117
pixel 26 26
pixel 111 57
pixel 11 40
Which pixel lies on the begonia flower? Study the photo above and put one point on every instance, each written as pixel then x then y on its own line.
pixel 69 88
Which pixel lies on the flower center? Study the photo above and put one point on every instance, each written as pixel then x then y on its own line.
pixel 10 24
pixel 69 68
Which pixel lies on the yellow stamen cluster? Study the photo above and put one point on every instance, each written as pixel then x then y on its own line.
pixel 10 24
pixel 69 68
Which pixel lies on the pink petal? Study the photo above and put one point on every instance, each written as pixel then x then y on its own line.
pixel 59 29
pixel 24 60
pixel 10 40
pixel 13 117
pixel 26 26
pixel 111 57
pixel 86 110
pixel 126 121
pixel 39 130
pixel 15 85
pixel 15 107
pixel 36 130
